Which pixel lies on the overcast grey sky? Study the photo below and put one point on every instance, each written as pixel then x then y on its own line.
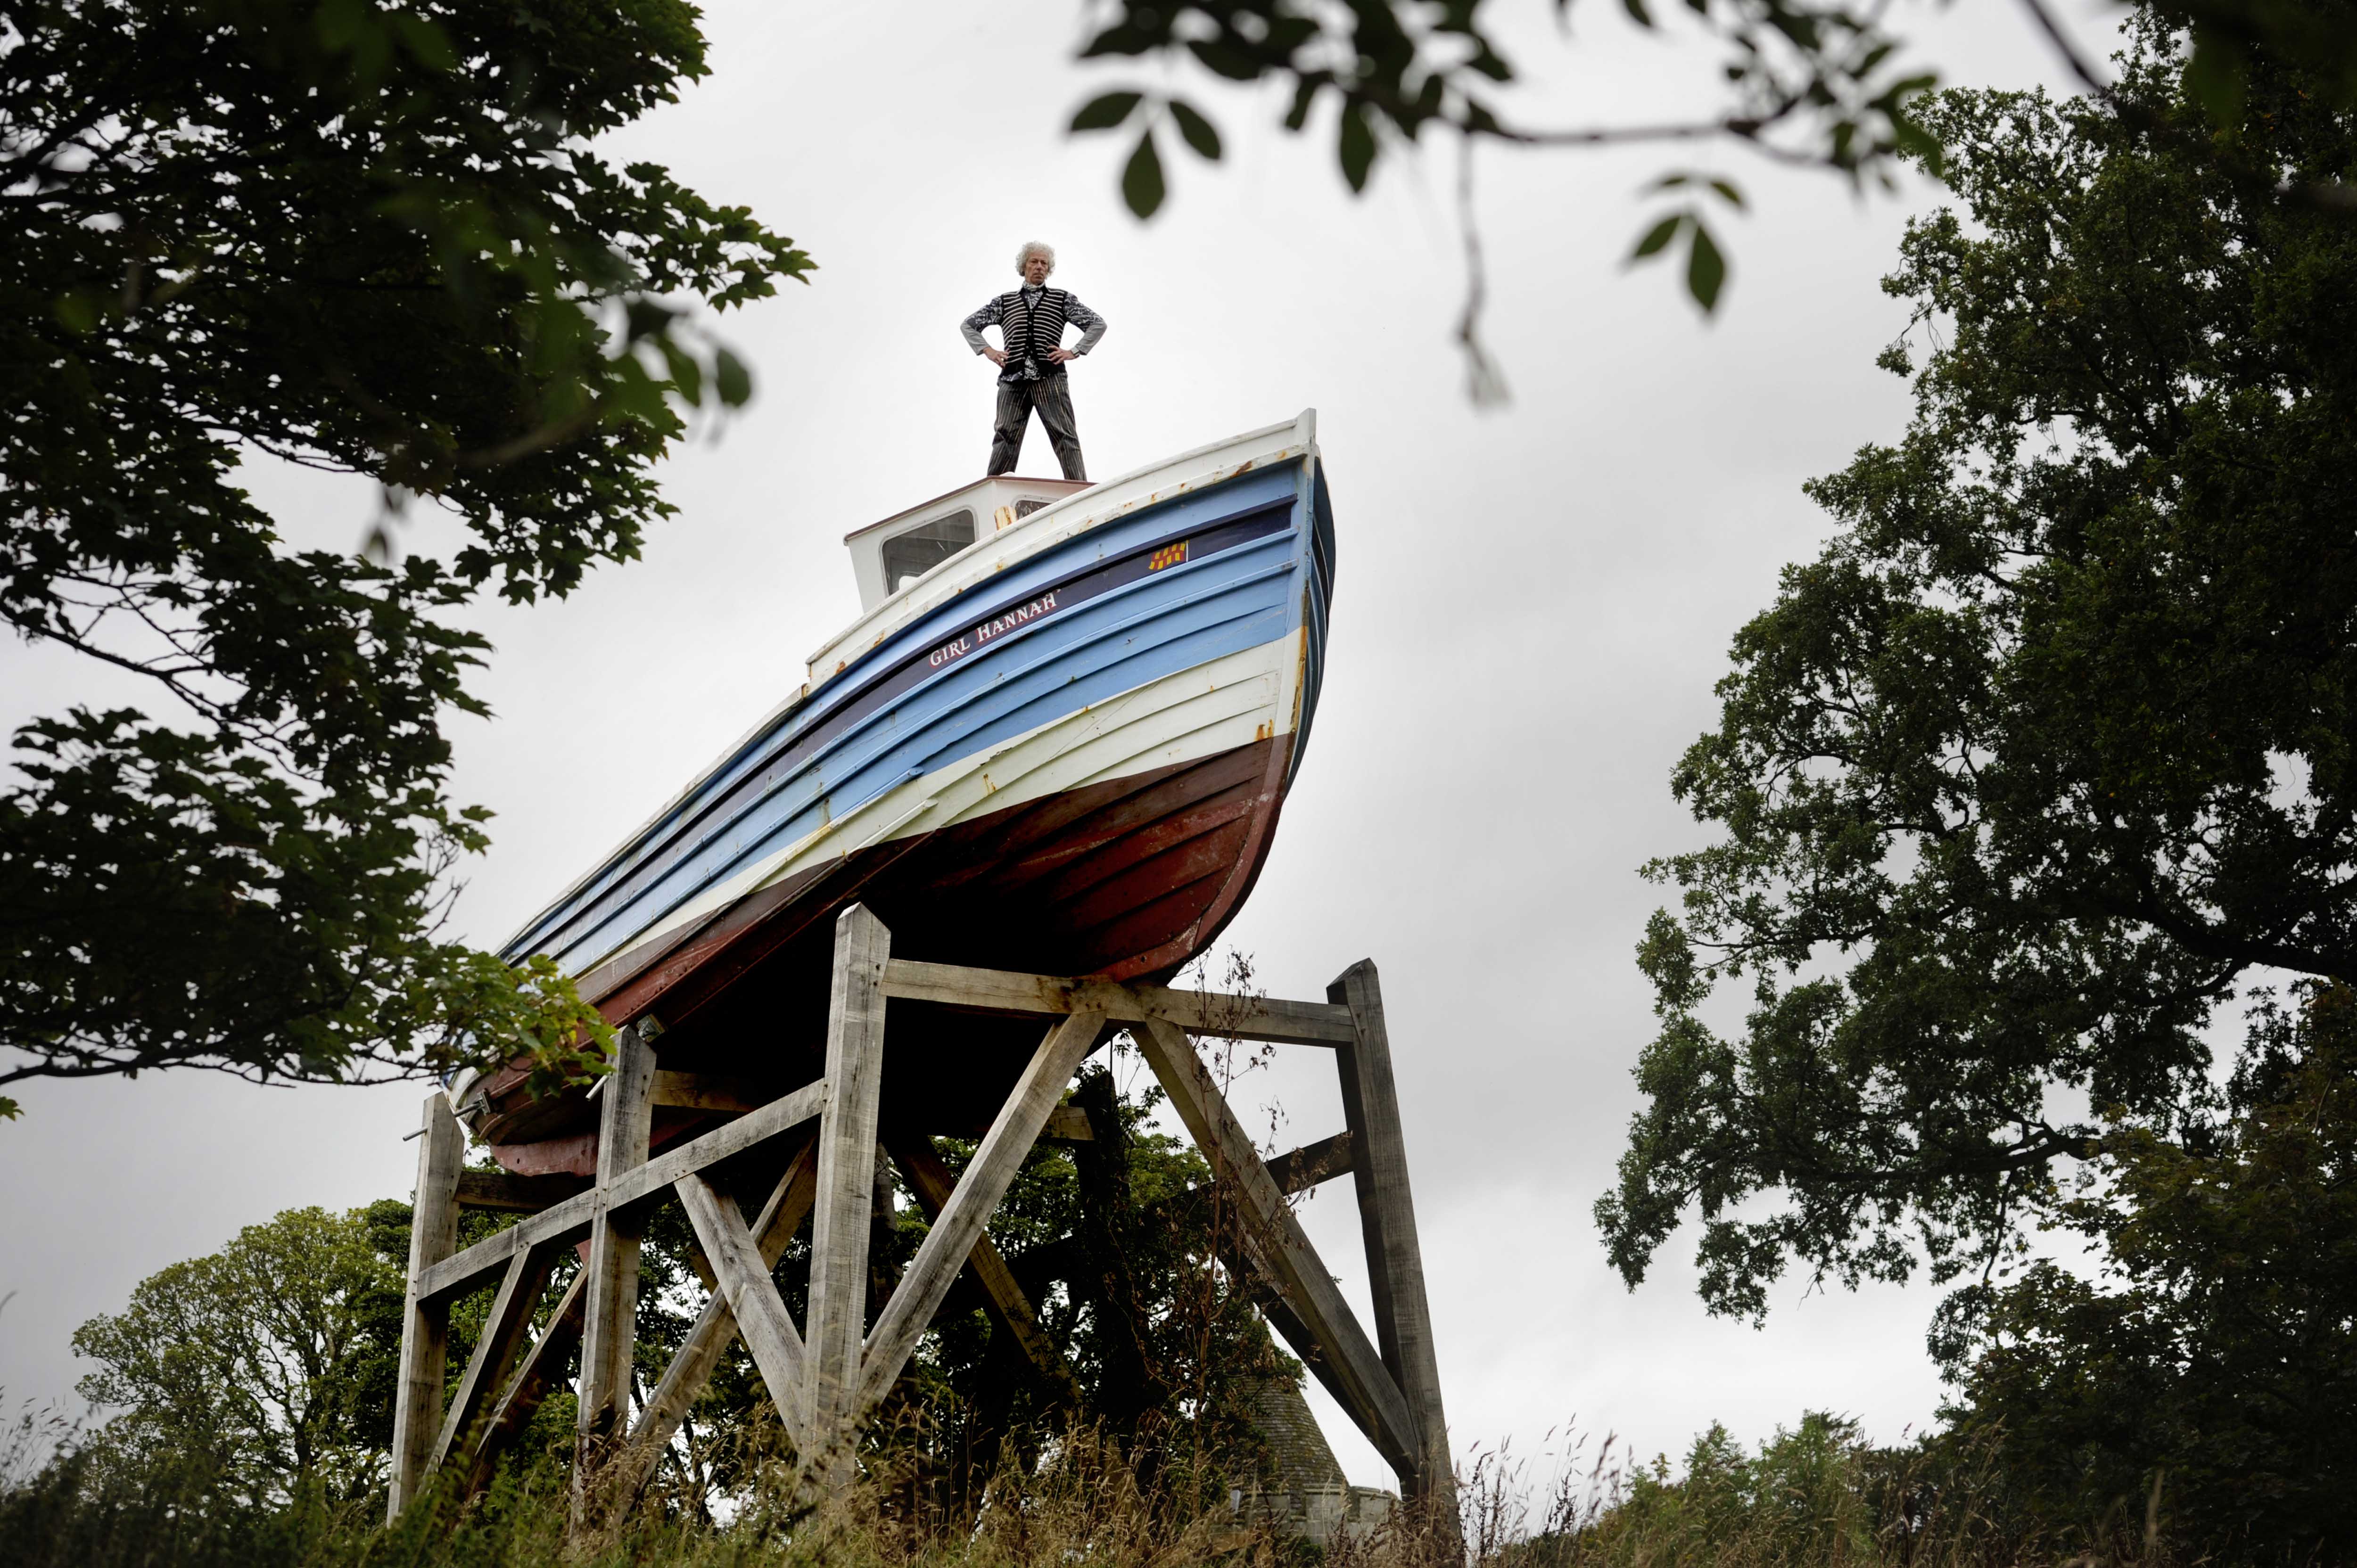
pixel 1531 606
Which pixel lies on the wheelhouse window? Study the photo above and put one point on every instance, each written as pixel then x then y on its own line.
pixel 908 557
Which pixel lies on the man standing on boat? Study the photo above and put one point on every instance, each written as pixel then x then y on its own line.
pixel 1031 322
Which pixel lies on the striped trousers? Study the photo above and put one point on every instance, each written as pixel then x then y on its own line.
pixel 1051 397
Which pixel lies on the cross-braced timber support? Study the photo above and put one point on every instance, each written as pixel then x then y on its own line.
pixel 812 1154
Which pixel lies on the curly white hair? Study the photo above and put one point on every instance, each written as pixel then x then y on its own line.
pixel 1035 248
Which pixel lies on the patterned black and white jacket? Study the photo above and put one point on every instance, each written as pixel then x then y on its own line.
pixel 1032 321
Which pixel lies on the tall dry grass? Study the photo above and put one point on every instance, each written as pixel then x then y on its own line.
pixel 1814 1497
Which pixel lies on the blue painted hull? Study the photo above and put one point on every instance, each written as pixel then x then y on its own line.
pixel 1044 715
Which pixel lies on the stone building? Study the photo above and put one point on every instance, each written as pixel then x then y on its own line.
pixel 1300 1488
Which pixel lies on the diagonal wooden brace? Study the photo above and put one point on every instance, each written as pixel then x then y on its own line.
pixel 716 1328
pixel 543 1366
pixel 752 1296
pixel 931 1180
pixel 503 1336
pixel 1339 1348
pixel 964 1217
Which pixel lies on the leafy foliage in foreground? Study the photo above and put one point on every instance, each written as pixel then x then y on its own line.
pixel 1828 84
pixel 368 239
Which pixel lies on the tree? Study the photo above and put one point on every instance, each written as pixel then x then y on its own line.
pixel 369 239
pixel 2049 753
pixel 2213 1361
pixel 257 1357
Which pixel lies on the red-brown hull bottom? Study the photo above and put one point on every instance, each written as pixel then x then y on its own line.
pixel 1129 879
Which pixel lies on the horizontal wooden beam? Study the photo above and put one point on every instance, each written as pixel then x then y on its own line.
pixel 1307 1165
pixel 1196 1011
pixel 569 1221
pixel 517 1194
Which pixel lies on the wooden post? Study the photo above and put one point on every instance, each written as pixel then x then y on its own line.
pixel 425 1326
pixel 610 1301
pixel 847 1178
pixel 1387 1223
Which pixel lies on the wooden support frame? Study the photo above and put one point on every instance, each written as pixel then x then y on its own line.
pixel 425 1320
pixel 846 1187
pixel 504 1384
pixel 921 1165
pixel 1388 1223
pixel 610 1299
pixel 827 1378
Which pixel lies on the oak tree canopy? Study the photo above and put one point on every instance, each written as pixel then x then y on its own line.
pixel 373 240
pixel 2052 753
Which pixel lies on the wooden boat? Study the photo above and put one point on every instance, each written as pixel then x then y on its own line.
pixel 1057 740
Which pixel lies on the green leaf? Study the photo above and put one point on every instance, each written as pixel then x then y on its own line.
pixel 1199 133
pixel 78 312
pixel 1226 58
pixel 427 43
pixel 340 24
pixel 1357 146
pixel 1141 181
pixel 685 373
pixel 2217 75
pixel 731 380
pixel 1729 191
pixel 1106 111
pixel 1638 12
pixel 1304 95
pixel 1658 237
pixel 1706 269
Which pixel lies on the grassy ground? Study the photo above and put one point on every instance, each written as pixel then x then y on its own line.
pixel 1816 1496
